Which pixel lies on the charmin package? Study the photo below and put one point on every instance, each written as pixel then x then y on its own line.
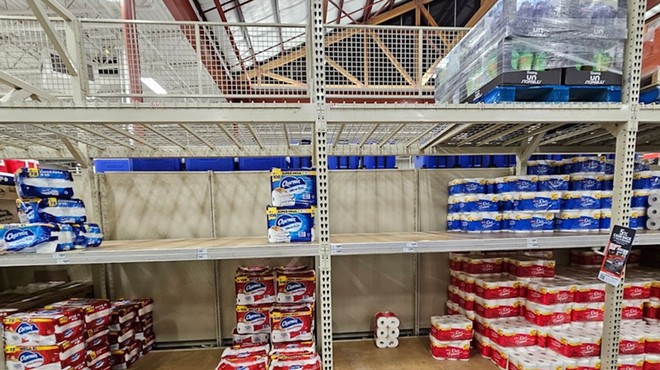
pixel 253 362
pixel 96 312
pixel 296 285
pixel 290 225
pixel 251 338
pixel 55 357
pixel 253 319
pixel 51 210
pixel 292 323
pixel 255 285
pixel 35 238
pixel 124 358
pixel 298 362
pixel 293 188
pixel 43 327
pixel 43 183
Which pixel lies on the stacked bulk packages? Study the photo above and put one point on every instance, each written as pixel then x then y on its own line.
pixel 131 331
pixel 645 203
pixel 274 320
pixel 528 314
pixel 450 337
pixel 51 219
pixel 290 216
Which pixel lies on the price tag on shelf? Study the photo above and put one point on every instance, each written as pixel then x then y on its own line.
pixel 410 247
pixel 335 249
pixel 202 254
pixel 61 259
pixel 532 243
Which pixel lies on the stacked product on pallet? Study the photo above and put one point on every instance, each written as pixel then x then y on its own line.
pixel 51 219
pixel 535 50
pixel 274 320
pixel 450 337
pixel 131 331
pixel 290 217
pixel 528 314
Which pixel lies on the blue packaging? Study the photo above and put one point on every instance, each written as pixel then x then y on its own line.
pixel 641 166
pixel 44 183
pixel 543 222
pixel 607 167
pixel 507 202
pixel 28 238
pixel 520 223
pixel 580 221
pixel 637 218
pixel 642 180
pixel 87 235
pixel 7 179
pixel 586 181
pixel 456 187
pixel 454 222
pixel 486 203
pixel 503 185
pixel 606 200
pixel 287 225
pixel 540 168
pixel 66 238
pixel 454 204
pixel 51 210
pixel 483 222
pixel 293 188
pixel 640 199
pixel 491 186
pixel 608 182
pixel 546 201
pixel 469 203
pixel 567 167
pixel 578 200
pixel 587 164
pixel 655 180
pixel 554 182
pixel 605 220
pixel 474 186
pixel 524 183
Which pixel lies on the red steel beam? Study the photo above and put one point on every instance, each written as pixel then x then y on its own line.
pixel 368 5
pixel 223 17
pixel 132 50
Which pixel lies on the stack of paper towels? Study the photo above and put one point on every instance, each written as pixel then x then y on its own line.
pixel 386 330
pixel 653 213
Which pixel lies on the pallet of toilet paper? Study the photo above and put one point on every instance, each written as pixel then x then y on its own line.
pixel 274 320
pixel 290 216
pixel 51 219
pixel 556 313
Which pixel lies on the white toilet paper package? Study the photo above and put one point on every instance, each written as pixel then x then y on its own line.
pixel 87 235
pixel 51 210
pixel 290 225
pixel 578 200
pixel 39 238
pixel 293 188
pixel 292 323
pixel 44 183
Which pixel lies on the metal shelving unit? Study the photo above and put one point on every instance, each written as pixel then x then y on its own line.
pixel 189 125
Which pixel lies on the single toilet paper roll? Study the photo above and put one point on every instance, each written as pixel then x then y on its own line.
pixel 654 198
pixel 382 343
pixel 393 322
pixel 393 332
pixel 654 212
pixel 392 343
pixel 653 224
pixel 382 322
pixel 382 332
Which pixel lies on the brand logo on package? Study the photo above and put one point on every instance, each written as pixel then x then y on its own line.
pixel 293 185
pixel 254 287
pixel 453 352
pixel 531 78
pixel 15 235
pixel 539 31
pixel 255 317
pixel 594 79
pixel 31 359
pixel 291 324
pixel 295 287
pixel 541 203
pixel 26 328
pixel 289 223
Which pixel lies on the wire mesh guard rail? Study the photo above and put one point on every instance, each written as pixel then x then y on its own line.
pixel 147 61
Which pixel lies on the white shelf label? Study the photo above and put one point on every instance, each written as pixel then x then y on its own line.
pixel 532 243
pixel 410 247
pixel 335 249
pixel 61 259
pixel 202 254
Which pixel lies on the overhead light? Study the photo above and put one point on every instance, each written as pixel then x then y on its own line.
pixel 153 85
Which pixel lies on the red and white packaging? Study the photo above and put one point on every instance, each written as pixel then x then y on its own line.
pixel 291 324
pixel 574 342
pixel 98 359
pixel 453 308
pixel 124 358
pixel 637 289
pixel 652 339
pixel 482 345
pixel 481 265
pixel 296 362
pixel 121 339
pixel 499 308
pixel 253 319
pixel 466 300
pixel 523 287
pixel 631 362
pixel 542 336
pixel 144 306
pixel 632 310
pixel 293 349
pixel 652 362
pixel 632 341
pixel 466 283
pixel 548 315
pixel 500 355
pixel 533 359
pixel 123 315
pixel 452 293
pixel 296 285
pixel 456 261
pixel 652 309
pixel 588 312
pixel 589 363
pixel 96 338
pixel 253 362
pixel 586 258
pixel 243 350
pixel 451 328
pixel 40 358
pixel 458 350
pixel 96 312
pixel 44 327
pixel 509 334
pixel 586 293
pixel 256 338
pixel 386 326
pixel 255 285
pixel 655 289
pixel 482 326
pixel 453 277
pixel 550 292
pixel 530 267
pixel 497 287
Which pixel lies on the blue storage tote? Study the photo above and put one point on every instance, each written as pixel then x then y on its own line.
pixel 343 162
pixel 426 161
pixel 112 165
pixel 210 164
pixel 261 163
pixel 156 164
pixel 300 162
pixel 379 161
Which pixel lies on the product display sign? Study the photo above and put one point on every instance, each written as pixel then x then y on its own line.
pixel 616 255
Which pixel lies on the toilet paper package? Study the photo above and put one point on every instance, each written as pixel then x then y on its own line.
pixel 503 184
pixel 454 204
pixel 608 182
pixel 253 319
pixel 590 292
pixel 631 342
pixel 450 350
pixel 290 225
pixel 586 182
pixel 551 291
pixel 44 183
pixel 640 198
pixel 43 327
pixel 646 180
pixel 496 287
pixel 652 310
pixel 300 362
pixel 499 355
pixel 293 349
pixel 652 339
pixel 585 257
pixel 587 164
pixel 508 201
pixel 580 200
pixel 637 288
pixel 524 183
pixel 482 265
pixel 456 186
pixel 96 312
pixel 296 286
pixel 484 203
pixel 605 220
pixel 466 300
pixel 520 222
pixel 579 221
pixel 482 222
pixel 637 218
pixel 255 285
pixel 51 210
pixel 482 345
pixel 513 334
pixel 606 199
pixel 125 358
pixel 546 201
pixel 548 315
pixel 30 238
pixel 540 167
pixel 452 293
pixel 574 342
pixel 466 282
pixel 293 188
pixel 292 323
pixel 496 308
pixel 87 236
pixel 451 328
pixel 40 357
pixel 474 186
pixel 631 362
pixel 554 183
pixel 531 267
pixel 632 310
pixel 588 312
pixel 246 362
pixel 454 222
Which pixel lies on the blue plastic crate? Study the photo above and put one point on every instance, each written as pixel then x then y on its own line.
pixel 112 165
pixel 300 162
pixel 500 161
pixel 426 161
pixel 379 161
pixel 343 162
pixel 210 164
pixel 465 161
pixel 452 161
pixel 650 96
pixel 261 163
pixel 156 164
pixel 486 161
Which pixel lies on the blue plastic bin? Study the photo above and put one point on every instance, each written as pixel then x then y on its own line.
pixel 374 162
pixel 210 164
pixel 500 161
pixel 261 163
pixel 112 165
pixel 343 162
pixel 156 164
pixel 452 161
pixel 465 161
pixel 426 161
pixel 300 162
pixel 486 161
